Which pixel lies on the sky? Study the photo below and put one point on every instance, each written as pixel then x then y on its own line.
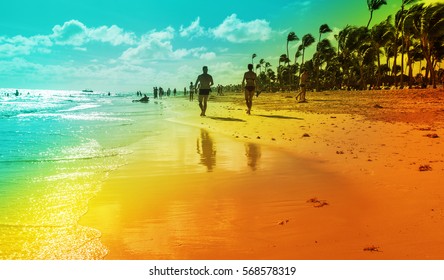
pixel 130 45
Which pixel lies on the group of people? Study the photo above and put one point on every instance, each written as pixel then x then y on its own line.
pixel 158 92
pixel 249 83
pixel 204 82
pixel 144 99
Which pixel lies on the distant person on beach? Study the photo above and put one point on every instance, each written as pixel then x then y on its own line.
pixel 249 83
pixel 204 82
pixel 191 91
pixel 155 92
pixel 303 85
pixel 144 99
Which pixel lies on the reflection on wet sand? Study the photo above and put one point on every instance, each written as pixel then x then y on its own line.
pixel 253 153
pixel 206 150
pixel 179 211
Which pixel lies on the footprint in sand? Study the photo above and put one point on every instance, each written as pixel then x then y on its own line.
pixel 425 167
pixel 281 223
pixel 372 249
pixel 432 135
pixel 317 203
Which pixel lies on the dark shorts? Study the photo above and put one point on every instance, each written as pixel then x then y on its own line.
pixel 204 91
pixel 250 88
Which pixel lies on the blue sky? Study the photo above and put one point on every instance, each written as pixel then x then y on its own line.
pixel 129 45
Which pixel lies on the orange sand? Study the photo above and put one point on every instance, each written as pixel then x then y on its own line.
pixel 335 178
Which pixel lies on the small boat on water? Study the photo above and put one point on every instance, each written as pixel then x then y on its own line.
pixel 87 90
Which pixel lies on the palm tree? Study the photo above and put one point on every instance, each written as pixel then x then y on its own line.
pixel 324 28
pixel 297 54
pixel 429 30
pixel 271 75
pixel 283 58
pixel 354 48
pixel 324 54
pixel 252 58
pixel 261 62
pixel 290 38
pixel 408 31
pixel 307 41
pixel 380 35
pixel 267 65
pixel 280 71
pixel 374 5
pixel 399 22
pixel 390 50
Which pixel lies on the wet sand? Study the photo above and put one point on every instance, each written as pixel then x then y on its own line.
pixel 335 178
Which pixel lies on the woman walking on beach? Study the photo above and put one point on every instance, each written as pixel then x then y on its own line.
pixel 204 82
pixel 303 85
pixel 250 86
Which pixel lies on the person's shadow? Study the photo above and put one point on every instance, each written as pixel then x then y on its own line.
pixel 206 150
pixel 253 153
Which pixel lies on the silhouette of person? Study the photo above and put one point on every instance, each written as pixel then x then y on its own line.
pixel 204 81
pixel 191 91
pixel 303 85
pixel 249 83
pixel 155 91
pixel 144 99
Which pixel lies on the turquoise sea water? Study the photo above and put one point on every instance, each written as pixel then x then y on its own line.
pixel 56 148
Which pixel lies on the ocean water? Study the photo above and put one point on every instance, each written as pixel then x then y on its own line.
pixel 56 149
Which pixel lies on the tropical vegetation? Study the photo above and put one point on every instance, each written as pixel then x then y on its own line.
pixel 381 56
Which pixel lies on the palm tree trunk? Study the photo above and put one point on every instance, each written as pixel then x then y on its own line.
pixel 378 78
pixel 395 58
pixel 402 62
pixel 371 15
pixel 409 60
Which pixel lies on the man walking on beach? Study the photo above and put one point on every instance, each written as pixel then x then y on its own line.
pixel 203 83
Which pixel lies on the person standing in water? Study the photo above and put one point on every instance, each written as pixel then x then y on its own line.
pixel 204 82
pixel 249 83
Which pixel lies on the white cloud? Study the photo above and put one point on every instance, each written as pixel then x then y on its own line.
pixel 200 53
pixel 82 49
pixel 236 31
pixel 227 72
pixel 113 35
pixel 72 32
pixel 207 56
pixel 194 30
pixel 75 33
pixel 157 45
pixel 19 45
pixel 153 45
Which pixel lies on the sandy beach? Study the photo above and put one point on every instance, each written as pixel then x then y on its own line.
pixel 347 175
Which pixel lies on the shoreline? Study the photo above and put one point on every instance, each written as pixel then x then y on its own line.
pixel 379 205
